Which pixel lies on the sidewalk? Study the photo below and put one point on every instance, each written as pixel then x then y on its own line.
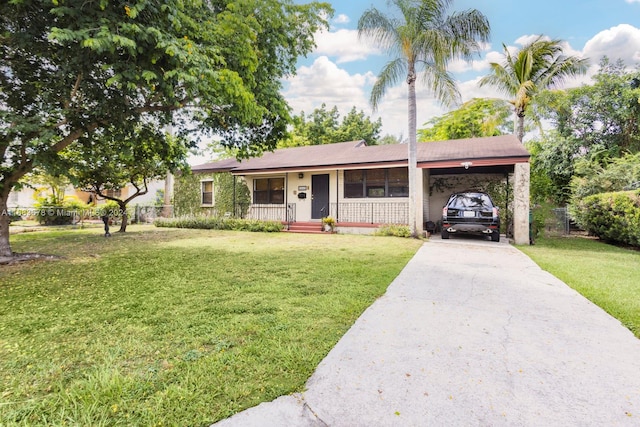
pixel 471 333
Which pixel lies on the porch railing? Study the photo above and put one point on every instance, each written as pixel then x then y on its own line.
pixel 355 212
pixel 268 212
pixel 371 213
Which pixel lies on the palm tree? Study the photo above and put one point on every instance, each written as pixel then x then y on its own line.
pixel 538 65
pixel 423 37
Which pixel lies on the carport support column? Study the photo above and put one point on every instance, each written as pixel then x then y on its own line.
pixel 420 201
pixel 521 204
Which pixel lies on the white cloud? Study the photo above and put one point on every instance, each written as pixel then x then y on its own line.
pixel 342 19
pixel 344 45
pixel 528 38
pixel 619 42
pixel 324 82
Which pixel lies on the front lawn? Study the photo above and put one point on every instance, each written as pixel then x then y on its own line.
pixel 176 327
pixel 607 275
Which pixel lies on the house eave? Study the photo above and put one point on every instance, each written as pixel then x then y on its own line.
pixel 331 167
pixel 472 162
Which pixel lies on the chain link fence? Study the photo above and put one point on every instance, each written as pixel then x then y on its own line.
pixel 555 222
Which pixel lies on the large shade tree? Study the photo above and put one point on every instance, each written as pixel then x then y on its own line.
pixel 421 36
pixel 72 67
pixel 538 65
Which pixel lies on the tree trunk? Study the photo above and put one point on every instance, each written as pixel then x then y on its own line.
pixel 125 218
pixel 413 161
pixel 520 125
pixel 5 247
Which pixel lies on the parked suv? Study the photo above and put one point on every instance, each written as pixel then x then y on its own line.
pixel 471 212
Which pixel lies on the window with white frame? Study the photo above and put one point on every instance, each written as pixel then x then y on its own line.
pixel 206 193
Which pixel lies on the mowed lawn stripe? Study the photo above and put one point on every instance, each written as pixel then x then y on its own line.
pixel 177 327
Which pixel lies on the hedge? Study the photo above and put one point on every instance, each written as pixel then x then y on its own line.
pixel 613 217
pixel 216 223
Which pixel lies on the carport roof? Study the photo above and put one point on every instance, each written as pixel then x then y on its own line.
pixel 497 150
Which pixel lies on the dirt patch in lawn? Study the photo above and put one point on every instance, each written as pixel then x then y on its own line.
pixel 18 258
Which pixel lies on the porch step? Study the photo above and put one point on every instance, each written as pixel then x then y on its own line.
pixel 304 227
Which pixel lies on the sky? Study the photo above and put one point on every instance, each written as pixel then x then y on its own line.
pixel 342 69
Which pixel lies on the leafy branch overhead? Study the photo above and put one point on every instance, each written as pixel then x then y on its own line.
pixel 71 67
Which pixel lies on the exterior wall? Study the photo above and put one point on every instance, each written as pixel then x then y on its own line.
pixel 367 210
pixel 521 204
pixel 146 199
pixel 303 206
pixel 26 197
pixel 21 199
pixel 293 186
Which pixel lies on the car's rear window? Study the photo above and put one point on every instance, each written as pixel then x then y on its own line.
pixel 470 200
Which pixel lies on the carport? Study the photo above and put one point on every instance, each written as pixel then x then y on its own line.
pixel 457 165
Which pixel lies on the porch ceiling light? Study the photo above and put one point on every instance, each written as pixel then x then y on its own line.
pixel 466 164
pixel 300 175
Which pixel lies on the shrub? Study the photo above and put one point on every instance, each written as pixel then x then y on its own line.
pixel 393 230
pixel 217 223
pixel 62 213
pixel 613 217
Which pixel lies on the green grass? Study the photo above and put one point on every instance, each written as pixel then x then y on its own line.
pixel 176 327
pixel 607 275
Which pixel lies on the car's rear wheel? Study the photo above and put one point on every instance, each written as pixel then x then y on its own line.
pixel 495 236
pixel 444 234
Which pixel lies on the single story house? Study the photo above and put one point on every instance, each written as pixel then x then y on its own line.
pixel 363 186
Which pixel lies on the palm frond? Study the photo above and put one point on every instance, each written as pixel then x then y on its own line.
pixel 465 32
pixel 502 78
pixel 442 83
pixel 380 29
pixel 392 72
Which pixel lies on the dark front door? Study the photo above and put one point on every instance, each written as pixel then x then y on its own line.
pixel 319 196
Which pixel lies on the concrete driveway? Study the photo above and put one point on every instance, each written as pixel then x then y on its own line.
pixel 471 333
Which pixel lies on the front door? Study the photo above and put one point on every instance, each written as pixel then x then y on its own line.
pixel 319 196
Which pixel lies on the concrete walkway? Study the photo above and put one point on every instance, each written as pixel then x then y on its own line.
pixel 471 333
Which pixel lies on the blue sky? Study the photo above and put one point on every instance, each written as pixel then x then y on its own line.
pixel 342 69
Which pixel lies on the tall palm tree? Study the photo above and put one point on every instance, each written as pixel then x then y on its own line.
pixel 423 37
pixel 539 65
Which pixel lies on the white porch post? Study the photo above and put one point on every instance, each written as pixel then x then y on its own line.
pixel 521 204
